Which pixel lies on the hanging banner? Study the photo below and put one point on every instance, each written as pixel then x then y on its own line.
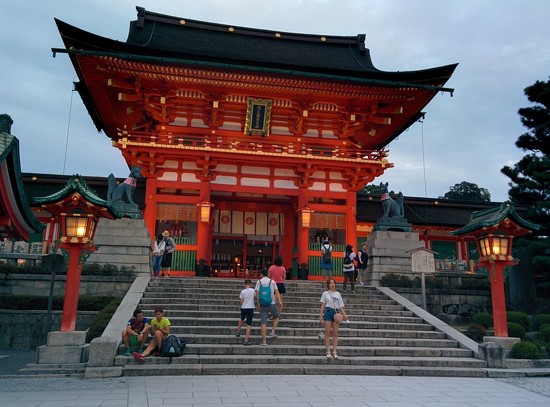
pixel 248 223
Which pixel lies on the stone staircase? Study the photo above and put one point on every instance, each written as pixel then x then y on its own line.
pixel 382 337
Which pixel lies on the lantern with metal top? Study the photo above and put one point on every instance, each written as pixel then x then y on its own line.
pixel 494 230
pixel 76 209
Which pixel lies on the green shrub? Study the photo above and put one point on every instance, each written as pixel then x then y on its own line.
pixel 544 334
pixel 100 321
pixel 95 269
pixel 544 326
pixel 540 319
pixel 515 330
pixel 525 350
pixel 476 332
pixel 483 318
pixel 543 289
pixel 519 318
pixel 396 280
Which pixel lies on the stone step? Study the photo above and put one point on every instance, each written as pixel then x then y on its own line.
pixel 343 341
pixel 149 306
pixel 294 323
pixel 309 332
pixel 298 369
pixel 247 359
pixel 75 370
pixel 319 350
pixel 289 316
pixel 288 312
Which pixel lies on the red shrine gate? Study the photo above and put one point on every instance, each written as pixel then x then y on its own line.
pixel 253 142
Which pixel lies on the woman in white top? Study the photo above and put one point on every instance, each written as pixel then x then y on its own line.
pixel 331 304
pixel 158 253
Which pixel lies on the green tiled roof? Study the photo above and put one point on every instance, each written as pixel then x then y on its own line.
pixel 76 184
pixel 492 217
pixel 9 153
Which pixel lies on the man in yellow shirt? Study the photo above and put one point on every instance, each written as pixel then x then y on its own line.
pixel 160 329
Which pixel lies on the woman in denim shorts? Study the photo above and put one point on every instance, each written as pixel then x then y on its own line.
pixel 331 303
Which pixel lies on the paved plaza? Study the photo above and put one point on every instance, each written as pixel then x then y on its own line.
pixel 16 390
pixel 279 391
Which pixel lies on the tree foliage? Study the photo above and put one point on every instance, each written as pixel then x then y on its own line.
pixel 467 191
pixel 530 177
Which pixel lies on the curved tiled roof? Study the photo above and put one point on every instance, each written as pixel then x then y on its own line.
pixel 14 204
pixel 493 217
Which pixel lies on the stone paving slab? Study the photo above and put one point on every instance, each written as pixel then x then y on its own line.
pixel 277 391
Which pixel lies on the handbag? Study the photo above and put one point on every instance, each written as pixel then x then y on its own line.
pixel 338 317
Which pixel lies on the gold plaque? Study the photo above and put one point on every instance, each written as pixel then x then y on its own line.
pixel 258 117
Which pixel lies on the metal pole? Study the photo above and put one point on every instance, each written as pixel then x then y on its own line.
pixel 50 299
pixel 423 285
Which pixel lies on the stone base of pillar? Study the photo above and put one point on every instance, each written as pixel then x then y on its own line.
pixel 388 254
pixel 64 348
pixel 506 343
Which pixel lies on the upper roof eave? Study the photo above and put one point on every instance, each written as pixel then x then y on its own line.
pixel 194 42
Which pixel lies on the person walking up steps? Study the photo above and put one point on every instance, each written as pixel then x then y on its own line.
pixel 278 273
pixel 268 297
pixel 247 311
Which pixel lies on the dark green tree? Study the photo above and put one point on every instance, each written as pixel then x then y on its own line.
pixel 466 191
pixel 530 177
pixel 370 189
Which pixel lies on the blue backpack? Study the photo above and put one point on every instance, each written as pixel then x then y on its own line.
pixel 264 294
pixel 172 346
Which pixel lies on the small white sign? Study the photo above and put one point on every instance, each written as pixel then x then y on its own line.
pixel 21 247
pixel 6 246
pixel 423 261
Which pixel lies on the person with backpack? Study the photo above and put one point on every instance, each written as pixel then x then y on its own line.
pixel 268 297
pixel 348 268
pixel 362 263
pixel 160 329
pixel 326 261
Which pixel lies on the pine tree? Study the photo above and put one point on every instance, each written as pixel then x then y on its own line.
pixel 530 177
pixel 467 191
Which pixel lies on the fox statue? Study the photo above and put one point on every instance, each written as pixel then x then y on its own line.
pixel 116 192
pixel 390 206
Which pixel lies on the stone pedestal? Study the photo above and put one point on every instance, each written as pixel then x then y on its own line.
pixel 506 342
pixel 64 348
pixel 123 242
pixel 494 354
pixel 388 254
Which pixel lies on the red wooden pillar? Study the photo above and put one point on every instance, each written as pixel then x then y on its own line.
pixel 204 241
pixel 351 222
pixel 72 286
pixel 496 272
pixel 150 212
pixel 303 233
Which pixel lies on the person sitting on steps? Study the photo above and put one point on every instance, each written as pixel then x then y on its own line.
pixel 136 332
pixel 160 329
